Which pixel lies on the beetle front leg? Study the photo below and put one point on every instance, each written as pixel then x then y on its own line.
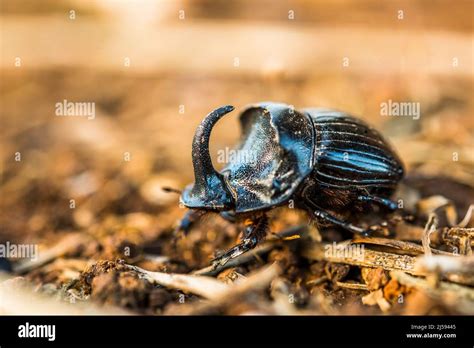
pixel 188 221
pixel 255 230
pixel 228 216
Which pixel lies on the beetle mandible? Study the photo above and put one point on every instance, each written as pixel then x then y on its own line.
pixel 324 160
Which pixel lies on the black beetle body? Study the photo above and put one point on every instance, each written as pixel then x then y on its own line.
pixel 321 159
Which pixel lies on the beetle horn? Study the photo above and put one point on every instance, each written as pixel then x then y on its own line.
pixel 202 162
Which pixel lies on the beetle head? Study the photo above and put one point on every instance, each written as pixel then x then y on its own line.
pixel 209 190
pixel 279 142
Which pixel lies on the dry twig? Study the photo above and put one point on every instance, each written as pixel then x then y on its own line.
pixel 66 245
pixel 206 287
pixel 398 244
pixel 430 227
pixel 256 281
pixel 368 258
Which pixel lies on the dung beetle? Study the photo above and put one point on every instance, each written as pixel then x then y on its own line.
pixel 325 161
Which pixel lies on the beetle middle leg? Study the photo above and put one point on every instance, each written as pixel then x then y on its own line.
pixel 255 231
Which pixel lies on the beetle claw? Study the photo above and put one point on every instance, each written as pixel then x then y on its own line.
pixel 220 261
pixel 254 232
pixel 232 253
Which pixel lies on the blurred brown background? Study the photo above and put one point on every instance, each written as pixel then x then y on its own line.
pixel 188 57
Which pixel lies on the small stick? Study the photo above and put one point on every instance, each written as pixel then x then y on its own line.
pixel 467 218
pixel 398 244
pixel 430 227
pixel 256 281
pixel 317 281
pixel 393 262
pixel 206 287
pixel 64 246
pixel 353 286
pixel 365 258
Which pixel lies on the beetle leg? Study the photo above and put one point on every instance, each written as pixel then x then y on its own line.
pixel 188 221
pixel 379 200
pixel 254 232
pixel 320 214
pixel 229 216
pixel 5 265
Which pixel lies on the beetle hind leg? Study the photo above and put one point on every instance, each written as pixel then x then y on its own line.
pixel 320 214
pixel 254 232
pixel 385 202
pixel 323 215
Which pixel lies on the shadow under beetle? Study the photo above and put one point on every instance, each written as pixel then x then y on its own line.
pixel 325 161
